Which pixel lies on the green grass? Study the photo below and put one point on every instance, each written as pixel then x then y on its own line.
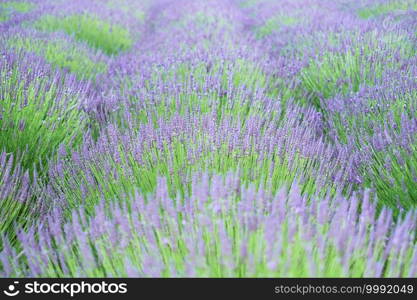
pixel 109 38
pixel 388 7
pixel 62 54
pixel 34 122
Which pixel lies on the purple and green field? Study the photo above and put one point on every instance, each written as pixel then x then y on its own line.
pixel 196 138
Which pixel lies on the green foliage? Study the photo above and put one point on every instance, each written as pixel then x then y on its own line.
pixel 126 7
pixel 376 116
pixel 6 8
pixel 40 115
pixel 3 17
pixel 21 7
pixel 345 72
pixel 251 3
pixel 394 175
pixel 399 41
pixel 333 73
pixel 294 256
pixel 392 170
pixel 33 121
pixel 238 74
pixel 388 7
pixel 14 206
pixel 62 54
pixel 109 38
pixel 274 24
pixel 173 163
pixel 204 20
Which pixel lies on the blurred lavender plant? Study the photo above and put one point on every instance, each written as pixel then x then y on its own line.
pixel 208 138
pixel 221 229
pixel 39 109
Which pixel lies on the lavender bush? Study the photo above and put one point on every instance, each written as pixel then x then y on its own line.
pixel 224 138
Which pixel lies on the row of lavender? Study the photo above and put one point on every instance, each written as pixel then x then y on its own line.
pixel 208 138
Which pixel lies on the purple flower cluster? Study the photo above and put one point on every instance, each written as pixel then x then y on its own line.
pixel 219 138
pixel 211 231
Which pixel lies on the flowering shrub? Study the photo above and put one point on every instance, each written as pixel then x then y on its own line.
pixel 224 138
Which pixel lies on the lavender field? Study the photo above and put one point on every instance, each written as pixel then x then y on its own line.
pixel 208 138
